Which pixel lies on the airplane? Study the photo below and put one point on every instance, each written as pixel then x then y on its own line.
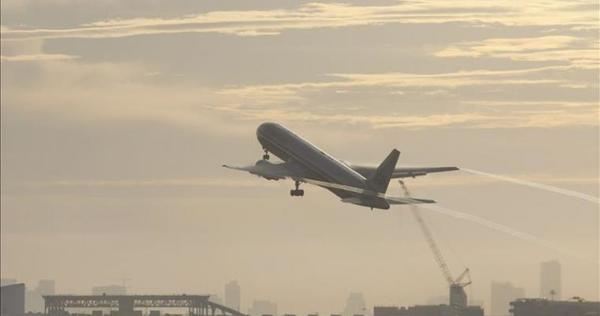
pixel 304 162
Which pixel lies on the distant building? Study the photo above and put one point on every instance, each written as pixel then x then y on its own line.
pixel 355 305
pixel 550 280
pixel 5 281
pixel 458 297
pixel 388 311
pixel 134 305
pixel 260 308
pixel 215 299
pixel 34 297
pixel 12 300
pixel 427 310
pixel 543 307
pixel 502 295
pixel 444 310
pixel 109 290
pixel 233 296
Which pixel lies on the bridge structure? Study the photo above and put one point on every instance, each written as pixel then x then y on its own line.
pixel 125 305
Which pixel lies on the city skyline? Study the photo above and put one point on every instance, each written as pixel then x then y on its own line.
pixel 118 303
pixel 502 294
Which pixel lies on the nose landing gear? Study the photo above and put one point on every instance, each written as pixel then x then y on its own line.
pixel 297 191
pixel 266 155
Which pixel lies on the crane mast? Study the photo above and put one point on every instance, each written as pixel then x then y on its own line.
pixel 458 297
pixel 437 254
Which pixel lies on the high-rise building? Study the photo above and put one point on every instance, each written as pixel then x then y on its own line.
pixel 12 300
pixel 550 280
pixel 458 296
pixel 233 295
pixel 355 305
pixel 260 308
pixel 502 295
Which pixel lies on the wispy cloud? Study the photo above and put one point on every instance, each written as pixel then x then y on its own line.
pixel 275 93
pixel 36 57
pixel 124 92
pixel 581 52
pixel 117 91
pixel 504 119
pixel 325 15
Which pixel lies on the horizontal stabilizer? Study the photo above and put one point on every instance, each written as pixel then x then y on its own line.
pixel 404 200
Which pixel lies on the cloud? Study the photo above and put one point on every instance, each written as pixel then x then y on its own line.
pixel 516 119
pixel 275 93
pixel 36 57
pixel 29 51
pixel 324 15
pixel 581 52
pixel 133 91
pixel 371 120
pixel 425 84
pixel 534 105
pixel 93 92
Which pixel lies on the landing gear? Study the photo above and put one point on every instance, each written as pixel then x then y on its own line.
pixel 297 191
pixel 266 155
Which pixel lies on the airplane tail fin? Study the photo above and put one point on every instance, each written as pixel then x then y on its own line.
pixel 380 179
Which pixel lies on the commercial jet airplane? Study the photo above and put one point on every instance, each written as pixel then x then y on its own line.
pixel 304 162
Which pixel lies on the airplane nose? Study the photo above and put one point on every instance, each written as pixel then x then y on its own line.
pixel 265 128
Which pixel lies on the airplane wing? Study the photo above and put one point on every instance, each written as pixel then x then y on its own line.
pixel 402 172
pixel 273 171
pixel 389 199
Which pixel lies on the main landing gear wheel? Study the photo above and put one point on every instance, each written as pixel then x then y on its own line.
pixel 266 155
pixel 297 191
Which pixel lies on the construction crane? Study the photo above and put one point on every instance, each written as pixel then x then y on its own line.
pixel 458 297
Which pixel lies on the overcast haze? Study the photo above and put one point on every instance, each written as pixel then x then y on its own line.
pixel 117 115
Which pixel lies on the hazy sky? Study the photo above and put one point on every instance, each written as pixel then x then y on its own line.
pixel 116 117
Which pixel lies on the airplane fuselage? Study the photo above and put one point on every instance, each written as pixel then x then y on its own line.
pixel 289 146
